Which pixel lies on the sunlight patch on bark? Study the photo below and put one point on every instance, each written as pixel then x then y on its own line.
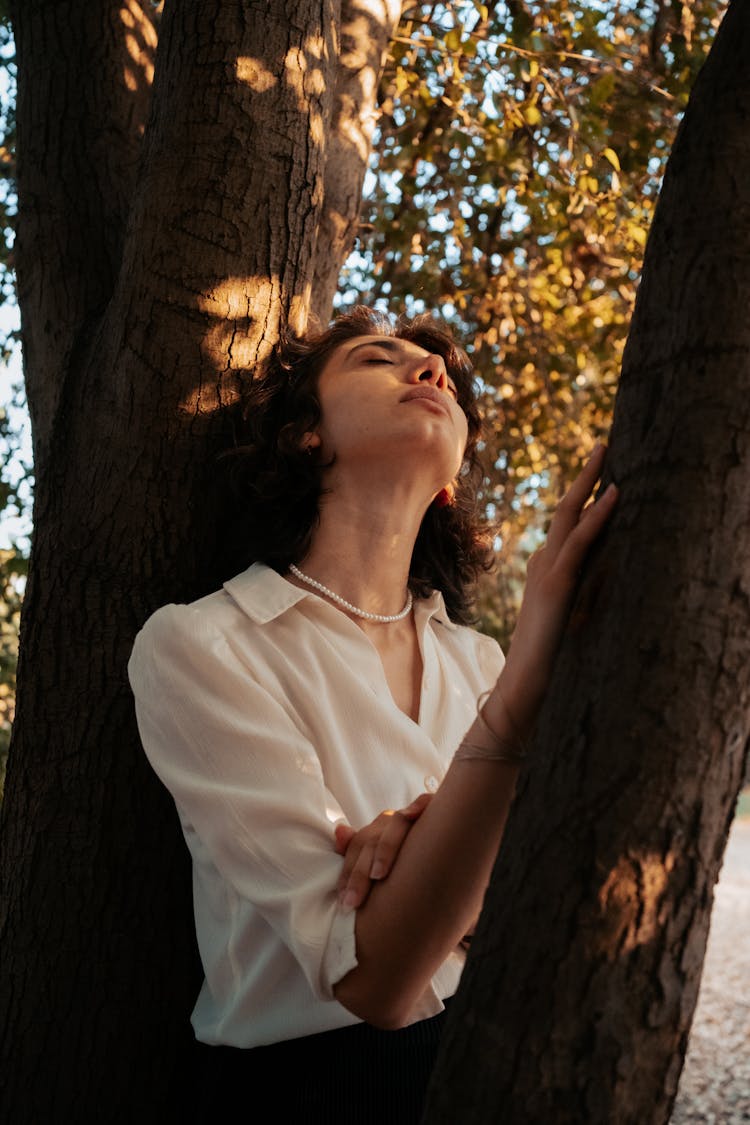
pixel 356 130
pixel 255 74
pixel 307 82
pixel 358 60
pixel 141 58
pixel 631 899
pixel 140 43
pixel 240 312
pixel 231 299
pixel 299 309
pixel 207 398
pixel 132 16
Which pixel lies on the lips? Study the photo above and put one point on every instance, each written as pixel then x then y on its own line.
pixel 431 394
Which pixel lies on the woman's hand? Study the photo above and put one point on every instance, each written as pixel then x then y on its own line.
pixel 369 854
pixel 551 580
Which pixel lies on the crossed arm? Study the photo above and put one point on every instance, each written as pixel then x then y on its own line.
pixel 438 853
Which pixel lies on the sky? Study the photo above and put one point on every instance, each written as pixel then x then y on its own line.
pixel 11 527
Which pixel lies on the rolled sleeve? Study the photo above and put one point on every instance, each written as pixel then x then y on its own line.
pixel 248 781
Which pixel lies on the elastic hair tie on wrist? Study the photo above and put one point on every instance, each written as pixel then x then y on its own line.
pixel 513 751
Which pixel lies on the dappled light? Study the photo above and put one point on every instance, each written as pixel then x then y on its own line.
pixel 631 899
pixel 306 80
pixel 237 314
pixel 255 74
pixel 299 308
pixel 140 43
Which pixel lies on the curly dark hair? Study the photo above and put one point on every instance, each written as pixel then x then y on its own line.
pixel 278 484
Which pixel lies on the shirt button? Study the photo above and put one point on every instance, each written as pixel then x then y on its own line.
pixel 431 783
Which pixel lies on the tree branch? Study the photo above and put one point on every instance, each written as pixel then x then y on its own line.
pixel 366 31
pixel 230 193
pixel 84 81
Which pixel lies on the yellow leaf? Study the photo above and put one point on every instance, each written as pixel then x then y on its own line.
pixel 453 40
pixel 532 115
pixel 400 83
pixel 610 155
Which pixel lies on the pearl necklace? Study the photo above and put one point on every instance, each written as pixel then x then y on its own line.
pixel 381 617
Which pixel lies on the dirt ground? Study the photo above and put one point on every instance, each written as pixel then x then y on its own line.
pixel 715 1083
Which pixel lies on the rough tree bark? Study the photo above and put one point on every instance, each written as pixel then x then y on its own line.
pixel 579 992
pixel 153 270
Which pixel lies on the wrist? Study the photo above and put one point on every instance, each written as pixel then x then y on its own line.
pixel 509 711
pixel 500 743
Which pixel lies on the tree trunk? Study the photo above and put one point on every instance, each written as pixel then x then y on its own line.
pixel 578 996
pixel 145 297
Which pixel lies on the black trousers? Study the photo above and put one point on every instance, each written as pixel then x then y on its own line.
pixel 351 1076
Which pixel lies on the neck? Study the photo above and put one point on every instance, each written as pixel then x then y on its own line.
pixel 363 547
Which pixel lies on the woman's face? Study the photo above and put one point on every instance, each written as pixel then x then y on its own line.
pixel 387 401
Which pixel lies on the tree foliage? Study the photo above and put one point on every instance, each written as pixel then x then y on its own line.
pixel 520 150
pixel 7 163
pixel 12 570
pixel 12 495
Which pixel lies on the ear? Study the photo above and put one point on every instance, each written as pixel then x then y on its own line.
pixel 445 496
pixel 311 440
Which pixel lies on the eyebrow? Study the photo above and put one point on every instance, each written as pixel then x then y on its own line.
pixel 388 342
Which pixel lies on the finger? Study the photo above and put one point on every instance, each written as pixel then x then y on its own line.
pixel 342 835
pixel 365 838
pixel 357 840
pixel 568 511
pixel 358 885
pixel 589 527
pixel 417 807
pixel 389 845
pixel 356 843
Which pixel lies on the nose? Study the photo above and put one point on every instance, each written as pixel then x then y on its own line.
pixel 431 369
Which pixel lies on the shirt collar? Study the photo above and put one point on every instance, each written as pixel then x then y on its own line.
pixel 264 595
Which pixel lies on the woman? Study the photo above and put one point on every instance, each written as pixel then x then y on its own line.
pixel 333 681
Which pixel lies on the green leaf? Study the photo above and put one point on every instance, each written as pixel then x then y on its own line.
pixel 602 90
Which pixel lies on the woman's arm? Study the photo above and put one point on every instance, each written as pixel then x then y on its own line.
pixel 411 921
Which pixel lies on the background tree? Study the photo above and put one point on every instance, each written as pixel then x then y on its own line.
pixel 162 240
pixel 577 999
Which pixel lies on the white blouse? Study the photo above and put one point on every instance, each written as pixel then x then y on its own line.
pixel 266 712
